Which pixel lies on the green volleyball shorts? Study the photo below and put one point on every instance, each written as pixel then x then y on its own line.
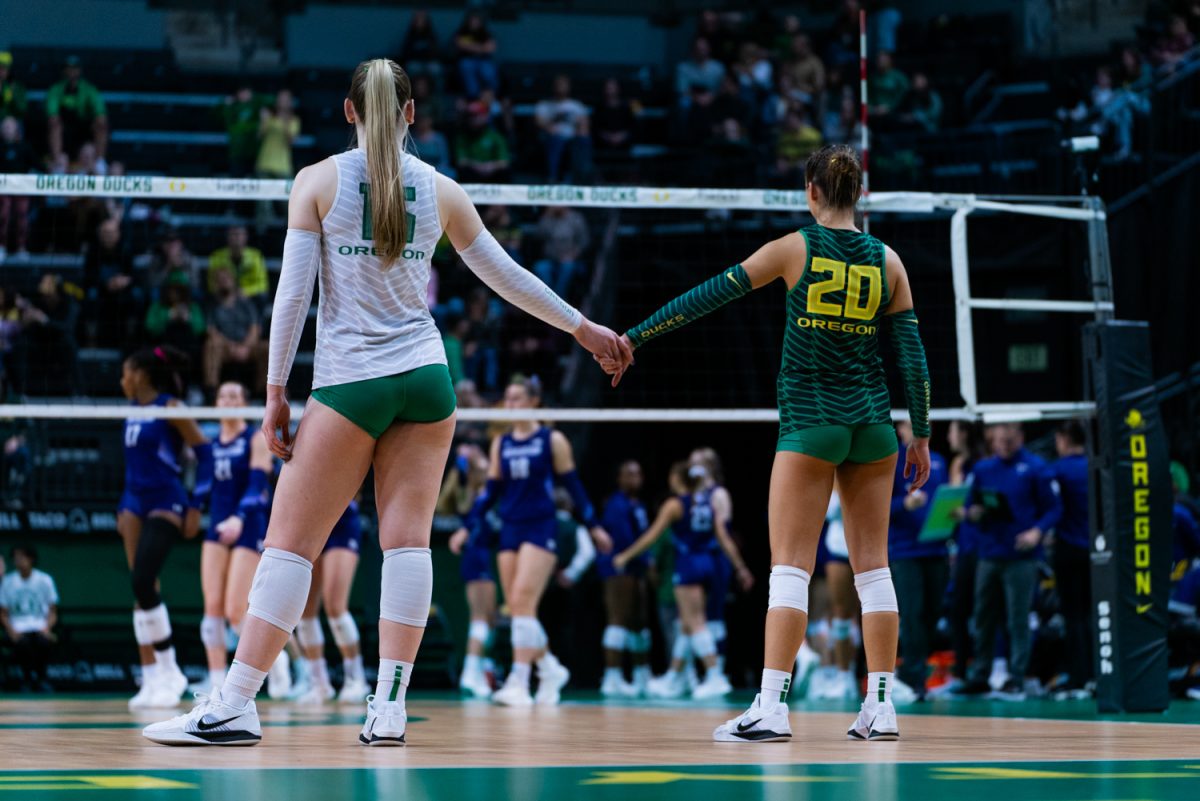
pixel 858 444
pixel 423 395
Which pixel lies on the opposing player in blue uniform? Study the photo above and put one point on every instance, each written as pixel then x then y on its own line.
pixel 155 511
pixel 525 465
pixel 722 503
pixel 625 601
pixel 333 578
pixel 238 491
pixel 464 482
pixel 694 526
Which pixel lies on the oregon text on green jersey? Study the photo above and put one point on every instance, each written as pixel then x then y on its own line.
pixel 832 372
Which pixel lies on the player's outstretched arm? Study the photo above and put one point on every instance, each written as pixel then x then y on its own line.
pixel 776 259
pixel 910 356
pixel 488 260
pixel 670 511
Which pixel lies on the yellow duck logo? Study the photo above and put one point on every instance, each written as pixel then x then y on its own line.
pixel 1134 419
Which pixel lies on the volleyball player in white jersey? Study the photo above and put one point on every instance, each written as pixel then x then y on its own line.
pixel 367 222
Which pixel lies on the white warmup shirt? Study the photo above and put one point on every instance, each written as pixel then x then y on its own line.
pixel 28 600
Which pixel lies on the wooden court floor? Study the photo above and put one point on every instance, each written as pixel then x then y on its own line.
pixel 584 749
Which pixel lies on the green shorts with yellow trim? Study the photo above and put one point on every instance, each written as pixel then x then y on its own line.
pixel 858 444
pixel 423 395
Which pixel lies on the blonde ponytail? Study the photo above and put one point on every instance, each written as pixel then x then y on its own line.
pixel 381 114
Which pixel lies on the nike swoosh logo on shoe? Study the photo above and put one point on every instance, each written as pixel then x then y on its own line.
pixel 762 734
pixel 744 726
pixel 202 726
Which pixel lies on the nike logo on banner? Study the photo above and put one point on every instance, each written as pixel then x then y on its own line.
pixel 746 726
pixel 1144 608
pixel 729 275
pixel 203 726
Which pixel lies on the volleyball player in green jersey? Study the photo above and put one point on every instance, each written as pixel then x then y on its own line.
pixel 845 289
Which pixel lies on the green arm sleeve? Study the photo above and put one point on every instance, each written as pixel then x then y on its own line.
pixel 698 301
pixel 910 354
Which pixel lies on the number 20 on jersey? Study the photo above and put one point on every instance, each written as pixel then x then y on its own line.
pixel 862 283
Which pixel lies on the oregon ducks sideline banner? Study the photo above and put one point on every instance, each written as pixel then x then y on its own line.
pixel 1131 502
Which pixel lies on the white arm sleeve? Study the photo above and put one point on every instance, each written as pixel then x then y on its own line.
pixel 293 296
pixel 585 554
pixel 488 260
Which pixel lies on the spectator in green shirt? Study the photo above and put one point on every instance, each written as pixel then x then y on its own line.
pixel 888 86
pixel 482 150
pixel 241 117
pixel 75 114
pixel 175 319
pixel 12 94
pixel 245 263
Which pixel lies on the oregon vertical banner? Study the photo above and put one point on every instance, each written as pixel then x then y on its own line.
pixel 1131 503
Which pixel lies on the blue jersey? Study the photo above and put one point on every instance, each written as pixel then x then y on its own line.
pixel 1071 473
pixel 527 468
pixel 231 474
pixel 694 531
pixel 151 452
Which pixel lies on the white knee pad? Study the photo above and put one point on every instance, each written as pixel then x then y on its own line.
pixel 309 633
pixel 875 591
pixel 615 638
pixel 212 631
pixel 526 632
pixel 151 625
pixel 717 628
pixel 682 647
pixel 638 642
pixel 480 631
pixel 543 639
pixel 406 589
pixel 280 588
pixel 345 630
pixel 788 588
pixel 703 643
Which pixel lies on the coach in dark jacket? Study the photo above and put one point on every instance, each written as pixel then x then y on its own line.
pixel 1014 504
pixel 919 569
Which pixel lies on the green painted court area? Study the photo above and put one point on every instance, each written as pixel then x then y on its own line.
pixel 1045 781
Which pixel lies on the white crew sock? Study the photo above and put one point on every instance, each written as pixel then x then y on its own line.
pixel 319 670
pixel 473 663
pixel 165 659
pixel 521 672
pixel 879 688
pixel 149 673
pixel 242 683
pixel 393 680
pixel 613 674
pixel 775 686
pixel 353 669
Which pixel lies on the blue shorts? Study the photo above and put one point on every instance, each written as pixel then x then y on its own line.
pixel 694 568
pixel 347 533
pixel 141 502
pixel 718 589
pixel 254 531
pixel 476 565
pixel 824 557
pixel 542 533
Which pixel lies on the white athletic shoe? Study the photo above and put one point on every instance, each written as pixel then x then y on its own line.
pixel 614 686
pixel 315 695
pixel 385 724
pixel 715 685
pixel 211 722
pixel 691 679
pixel 755 726
pixel 668 685
pixel 166 690
pixel 878 724
pixel 641 679
pixel 513 693
pixel 552 678
pixel 279 677
pixel 475 683
pixel 203 687
pixel 902 693
pixel 839 687
pixel 808 665
pixel 353 692
pixel 145 695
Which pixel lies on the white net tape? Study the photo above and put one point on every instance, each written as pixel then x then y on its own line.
pixel 1083 210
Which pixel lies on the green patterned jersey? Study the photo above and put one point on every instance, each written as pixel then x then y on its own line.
pixel 832 372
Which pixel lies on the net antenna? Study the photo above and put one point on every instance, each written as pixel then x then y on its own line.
pixel 865 132
pixel 1088 210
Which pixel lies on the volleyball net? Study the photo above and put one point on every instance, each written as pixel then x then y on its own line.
pixel 1002 286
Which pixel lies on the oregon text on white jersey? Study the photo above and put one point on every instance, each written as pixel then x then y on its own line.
pixel 373 322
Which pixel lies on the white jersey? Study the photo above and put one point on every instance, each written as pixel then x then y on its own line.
pixel 373 322
pixel 28 600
